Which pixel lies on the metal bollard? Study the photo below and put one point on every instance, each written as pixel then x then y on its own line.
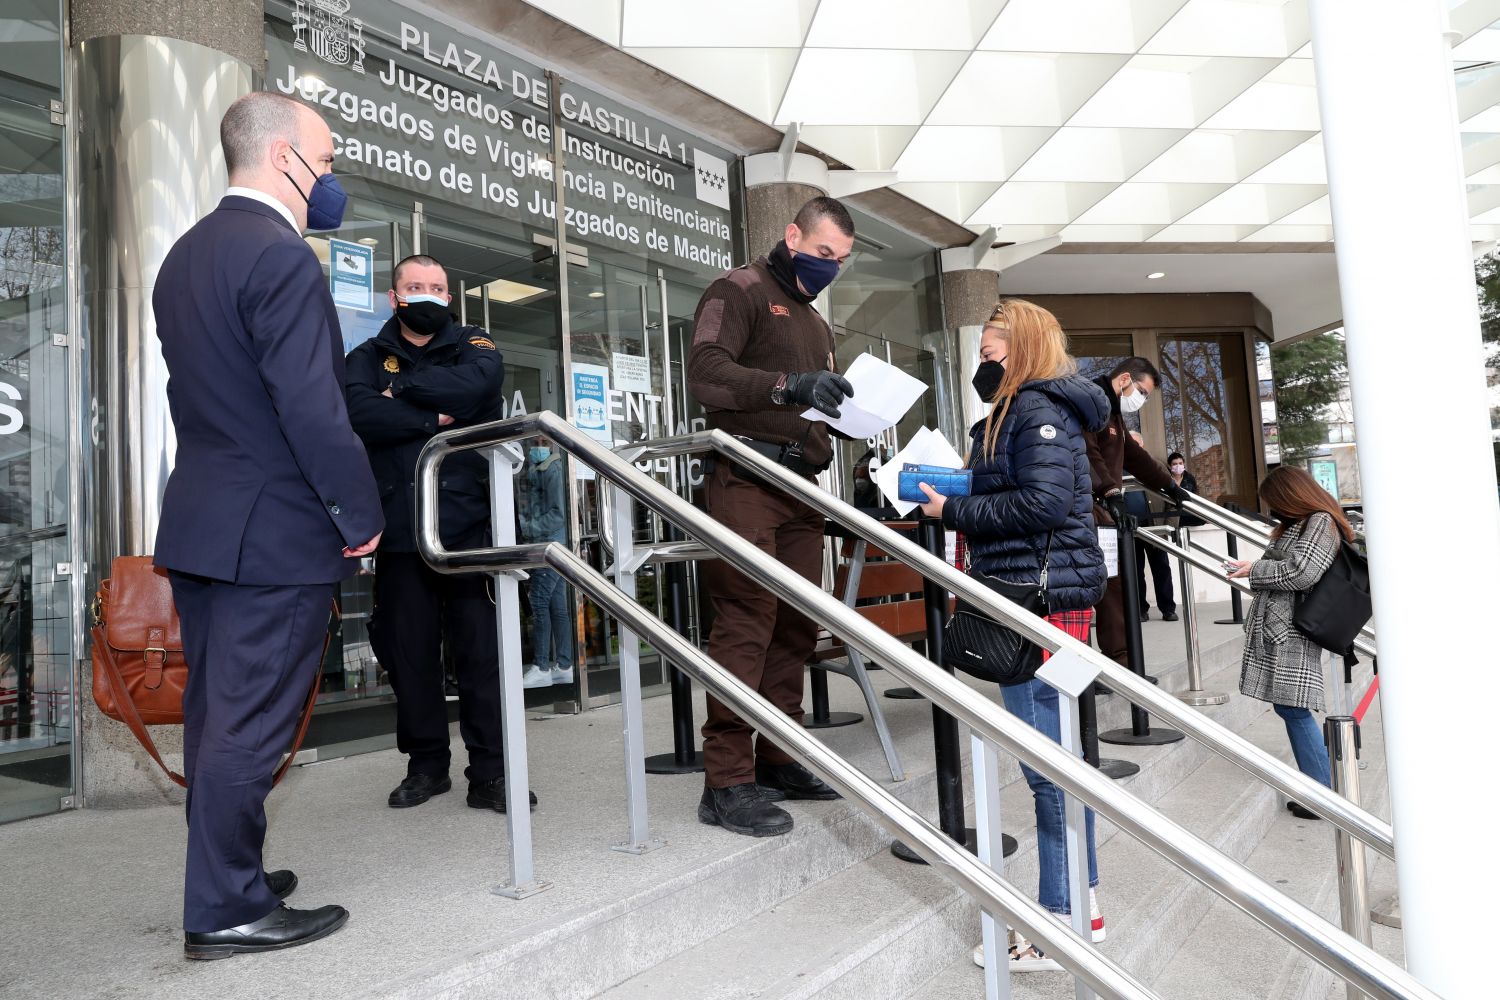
pixel 1354 889
pixel 1140 733
pixel 1194 695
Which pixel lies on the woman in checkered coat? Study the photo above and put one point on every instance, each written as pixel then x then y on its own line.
pixel 1281 665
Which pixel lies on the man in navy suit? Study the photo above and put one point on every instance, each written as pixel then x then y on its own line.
pixel 270 504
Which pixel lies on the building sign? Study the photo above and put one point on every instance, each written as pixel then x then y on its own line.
pixel 417 104
pixel 351 275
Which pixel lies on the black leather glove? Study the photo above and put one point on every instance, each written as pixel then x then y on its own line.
pixel 1124 520
pixel 823 391
pixel 1177 494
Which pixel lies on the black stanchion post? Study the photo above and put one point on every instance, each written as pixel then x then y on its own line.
pixel 821 717
pixel 1236 608
pixel 1140 732
pixel 684 757
pixel 945 745
pixel 1088 724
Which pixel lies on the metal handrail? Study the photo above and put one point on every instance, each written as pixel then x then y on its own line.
pixel 1230 745
pixel 1287 918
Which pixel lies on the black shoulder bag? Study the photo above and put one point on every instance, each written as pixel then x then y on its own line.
pixel 976 644
pixel 1332 611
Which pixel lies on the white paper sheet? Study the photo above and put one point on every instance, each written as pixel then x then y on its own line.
pixel 1109 541
pixel 882 395
pixel 926 447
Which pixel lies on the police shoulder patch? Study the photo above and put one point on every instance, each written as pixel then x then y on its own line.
pixel 391 364
pixel 484 343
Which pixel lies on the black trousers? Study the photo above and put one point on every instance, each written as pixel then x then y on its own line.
pixel 417 610
pixel 1161 576
pixel 254 654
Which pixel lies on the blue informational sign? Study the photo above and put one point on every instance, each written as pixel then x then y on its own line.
pixel 1326 472
pixel 351 275
pixel 591 401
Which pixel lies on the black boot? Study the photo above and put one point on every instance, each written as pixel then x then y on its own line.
pixel 491 794
pixel 742 809
pixel 418 788
pixel 796 781
pixel 282 883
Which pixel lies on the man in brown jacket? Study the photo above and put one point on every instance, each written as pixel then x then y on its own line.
pixel 1112 453
pixel 762 355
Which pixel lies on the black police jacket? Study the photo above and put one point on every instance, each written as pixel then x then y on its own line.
pixel 458 374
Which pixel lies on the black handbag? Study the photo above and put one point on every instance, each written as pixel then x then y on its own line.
pixel 1332 611
pixel 976 644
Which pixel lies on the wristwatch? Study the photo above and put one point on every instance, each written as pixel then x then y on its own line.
pixel 778 392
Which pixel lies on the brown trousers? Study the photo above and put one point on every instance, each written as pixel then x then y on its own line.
pixel 1109 623
pixel 761 640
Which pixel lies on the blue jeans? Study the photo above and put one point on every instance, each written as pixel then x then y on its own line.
pixel 551 623
pixel 1307 742
pixel 1035 702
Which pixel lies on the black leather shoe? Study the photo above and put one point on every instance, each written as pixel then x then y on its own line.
pixel 793 779
pixel 1300 811
pixel 491 795
pixel 282 883
pixel 283 927
pixel 418 788
pixel 1146 615
pixel 741 809
pixel 1169 616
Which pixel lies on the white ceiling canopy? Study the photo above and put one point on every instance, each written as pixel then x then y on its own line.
pixel 1116 121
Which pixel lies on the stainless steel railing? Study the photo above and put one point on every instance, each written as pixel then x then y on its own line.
pixel 1233 747
pixel 1288 919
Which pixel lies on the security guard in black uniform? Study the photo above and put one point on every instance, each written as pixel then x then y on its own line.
pixel 424 372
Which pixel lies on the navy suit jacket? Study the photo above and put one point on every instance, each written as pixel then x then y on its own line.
pixel 270 481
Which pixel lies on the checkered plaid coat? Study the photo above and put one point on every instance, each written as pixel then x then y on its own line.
pixel 1281 665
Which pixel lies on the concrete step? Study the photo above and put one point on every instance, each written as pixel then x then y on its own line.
pixel 1170 931
pixel 883 928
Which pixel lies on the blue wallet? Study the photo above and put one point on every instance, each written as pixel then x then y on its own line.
pixel 948 482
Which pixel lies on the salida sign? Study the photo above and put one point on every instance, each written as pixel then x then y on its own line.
pixel 420 106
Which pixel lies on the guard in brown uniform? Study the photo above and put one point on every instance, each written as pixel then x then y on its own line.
pixel 762 355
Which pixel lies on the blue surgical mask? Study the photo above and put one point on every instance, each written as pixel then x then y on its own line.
pixel 540 454
pixel 814 273
pixel 326 200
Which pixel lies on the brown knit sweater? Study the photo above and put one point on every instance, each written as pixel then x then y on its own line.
pixel 747 334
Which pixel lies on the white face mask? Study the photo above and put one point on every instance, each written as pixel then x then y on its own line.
pixel 1132 402
pixel 1178 469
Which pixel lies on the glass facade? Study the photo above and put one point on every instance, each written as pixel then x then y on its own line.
pixel 591 306
pixel 1205 392
pixel 36 425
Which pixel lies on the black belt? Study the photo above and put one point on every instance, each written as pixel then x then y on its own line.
pixel 786 454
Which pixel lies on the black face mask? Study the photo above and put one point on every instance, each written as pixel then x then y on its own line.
pixel 987 378
pixel 423 318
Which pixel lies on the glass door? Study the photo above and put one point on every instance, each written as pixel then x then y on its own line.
pixel 37 696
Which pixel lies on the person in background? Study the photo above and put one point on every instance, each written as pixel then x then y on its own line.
pixel 1030 518
pixel 866 489
pixel 543 514
pixel 421 373
pixel 1112 453
pixel 1280 664
pixel 1138 503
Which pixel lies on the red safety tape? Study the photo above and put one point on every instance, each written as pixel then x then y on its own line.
pixel 1364 703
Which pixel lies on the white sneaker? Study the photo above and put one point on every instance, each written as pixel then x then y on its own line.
pixel 562 675
pixel 1095 917
pixel 1024 956
pixel 536 676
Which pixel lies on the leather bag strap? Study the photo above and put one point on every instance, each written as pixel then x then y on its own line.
pixel 126 706
pixel 312 700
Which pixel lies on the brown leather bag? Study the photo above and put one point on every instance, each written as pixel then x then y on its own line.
pixel 140 672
